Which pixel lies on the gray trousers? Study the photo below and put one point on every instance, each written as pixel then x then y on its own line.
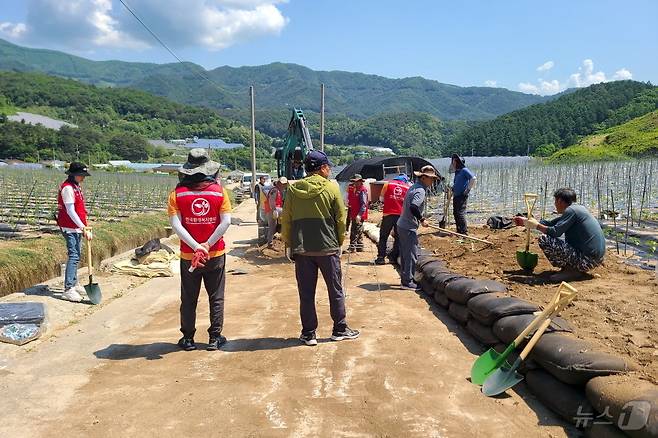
pixel 213 279
pixel 271 227
pixel 356 236
pixel 408 254
pixel 306 271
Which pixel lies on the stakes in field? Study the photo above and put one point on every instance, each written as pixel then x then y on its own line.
pixel 464 236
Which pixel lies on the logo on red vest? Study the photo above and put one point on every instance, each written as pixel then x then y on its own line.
pixel 200 207
pixel 397 192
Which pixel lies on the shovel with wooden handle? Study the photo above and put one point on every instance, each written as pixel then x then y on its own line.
pixel 526 259
pixel 491 360
pixel 92 289
pixel 507 376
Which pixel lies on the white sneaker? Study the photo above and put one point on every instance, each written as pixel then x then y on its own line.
pixel 80 289
pixel 72 295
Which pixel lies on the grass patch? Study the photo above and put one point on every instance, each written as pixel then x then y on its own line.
pixel 636 138
pixel 24 263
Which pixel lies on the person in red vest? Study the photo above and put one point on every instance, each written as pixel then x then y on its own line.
pixel 392 196
pixel 357 199
pixel 275 207
pixel 200 213
pixel 72 220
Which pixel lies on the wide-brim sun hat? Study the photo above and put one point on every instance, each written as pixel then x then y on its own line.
pixel 356 177
pixel 427 171
pixel 198 161
pixel 78 169
pixel 283 180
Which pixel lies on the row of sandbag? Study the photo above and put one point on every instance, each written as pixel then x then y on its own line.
pixel 560 365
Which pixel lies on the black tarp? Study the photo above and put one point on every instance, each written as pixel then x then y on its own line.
pixel 374 167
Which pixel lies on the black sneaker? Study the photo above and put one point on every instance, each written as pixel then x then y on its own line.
pixel 308 338
pixel 380 261
pixel 187 344
pixel 215 343
pixel 346 333
pixel 410 286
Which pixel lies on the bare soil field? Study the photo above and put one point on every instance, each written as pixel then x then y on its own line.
pixel 617 306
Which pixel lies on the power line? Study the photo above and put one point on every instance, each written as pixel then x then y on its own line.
pixel 202 76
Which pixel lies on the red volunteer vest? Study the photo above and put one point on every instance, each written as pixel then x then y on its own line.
pixel 63 219
pixel 199 212
pixel 355 203
pixel 394 197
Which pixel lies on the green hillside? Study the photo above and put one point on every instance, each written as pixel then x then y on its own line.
pixel 634 139
pixel 277 85
pixel 113 122
pixel 544 128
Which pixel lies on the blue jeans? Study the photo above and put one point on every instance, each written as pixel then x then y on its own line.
pixel 408 253
pixel 74 250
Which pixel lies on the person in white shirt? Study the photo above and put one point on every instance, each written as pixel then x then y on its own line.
pixel 72 220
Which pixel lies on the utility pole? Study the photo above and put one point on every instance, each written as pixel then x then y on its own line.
pixel 253 140
pixel 322 117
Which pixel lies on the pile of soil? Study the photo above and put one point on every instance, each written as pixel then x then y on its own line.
pixel 617 306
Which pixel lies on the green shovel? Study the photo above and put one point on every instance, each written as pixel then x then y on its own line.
pixel 491 360
pixel 92 289
pixel 526 259
pixel 506 377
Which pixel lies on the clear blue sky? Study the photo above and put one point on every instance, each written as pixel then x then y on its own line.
pixel 459 42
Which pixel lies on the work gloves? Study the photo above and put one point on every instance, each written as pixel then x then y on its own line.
pixel 530 224
pixel 87 233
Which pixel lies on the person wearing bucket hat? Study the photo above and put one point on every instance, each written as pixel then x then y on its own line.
pixel 313 228
pixel 391 197
pixel 200 213
pixel 411 218
pixel 463 183
pixel 72 221
pixel 357 200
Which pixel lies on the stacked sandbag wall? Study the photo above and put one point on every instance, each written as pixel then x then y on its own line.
pixel 585 386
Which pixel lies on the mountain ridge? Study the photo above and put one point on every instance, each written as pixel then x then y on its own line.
pixel 358 95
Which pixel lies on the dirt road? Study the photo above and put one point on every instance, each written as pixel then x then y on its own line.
pixel 118 372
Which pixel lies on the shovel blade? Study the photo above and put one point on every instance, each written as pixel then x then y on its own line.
pixel 487 363
pixel 501 380
pixel 93 291
pixel 527 260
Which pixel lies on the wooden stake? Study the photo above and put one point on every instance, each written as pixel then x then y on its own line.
pixel 460 235
pixel 253 140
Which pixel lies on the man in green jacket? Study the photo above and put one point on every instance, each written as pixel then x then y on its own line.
pixel 313 227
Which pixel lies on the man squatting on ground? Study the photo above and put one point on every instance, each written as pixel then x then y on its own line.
pixel 275 207
pixel 313 227
pixel 357 199
pixel 200 213
pixel 583 247
pixel 392 198
pixel 72 220
pixel 410 219
pixel 462 185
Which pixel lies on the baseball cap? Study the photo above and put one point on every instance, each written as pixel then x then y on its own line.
pixel 316 159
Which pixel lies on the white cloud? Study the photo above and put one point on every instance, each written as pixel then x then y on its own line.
pixel 584 77
pixel 546 66
pixel 527 87
pixel 491 83
pixel 622 75
pixel 12 30
pixel 87 24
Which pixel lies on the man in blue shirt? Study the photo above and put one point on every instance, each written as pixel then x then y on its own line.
pixel 583 247
pixel 464 182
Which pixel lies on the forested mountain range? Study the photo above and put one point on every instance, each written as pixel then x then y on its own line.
pixel 277 85
pixel 545 128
